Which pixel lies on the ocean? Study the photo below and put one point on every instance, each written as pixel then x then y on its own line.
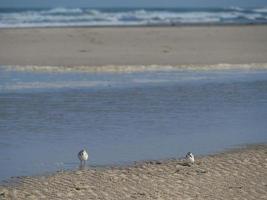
pixel 62 17
pixel 48 114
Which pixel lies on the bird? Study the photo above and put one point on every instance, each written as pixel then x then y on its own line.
pixel 190 158
pixel 83 156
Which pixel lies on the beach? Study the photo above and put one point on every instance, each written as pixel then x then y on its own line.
pixel 210 106
pixel 179 45
pixel 236 174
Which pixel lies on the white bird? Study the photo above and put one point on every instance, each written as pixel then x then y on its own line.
pixel 190 157
pixel 83 156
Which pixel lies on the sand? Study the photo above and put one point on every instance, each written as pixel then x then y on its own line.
pixel 134 45
pixel 236 174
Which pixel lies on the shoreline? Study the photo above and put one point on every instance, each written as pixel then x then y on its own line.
pixel 100 46
pixel 133 68
pixel 241 171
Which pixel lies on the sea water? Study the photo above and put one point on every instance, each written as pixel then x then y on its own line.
pixel 57 17
pixel 46 117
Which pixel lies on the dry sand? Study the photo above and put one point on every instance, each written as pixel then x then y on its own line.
pixel 134 45
pixel 236 174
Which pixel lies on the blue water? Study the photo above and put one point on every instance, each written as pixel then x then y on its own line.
pixel 54 17
pixel 47 117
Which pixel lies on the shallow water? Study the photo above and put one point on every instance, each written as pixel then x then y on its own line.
pixel 47 117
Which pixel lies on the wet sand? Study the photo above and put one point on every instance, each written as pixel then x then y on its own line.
pixel 134 45
pixel 236 174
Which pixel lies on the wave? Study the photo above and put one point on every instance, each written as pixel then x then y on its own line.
pixel 261 10
pixel 63 11
pixel 236 8
pixel 110 17
pixel 134 68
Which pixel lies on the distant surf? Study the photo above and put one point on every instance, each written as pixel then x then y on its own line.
pixel 62 17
